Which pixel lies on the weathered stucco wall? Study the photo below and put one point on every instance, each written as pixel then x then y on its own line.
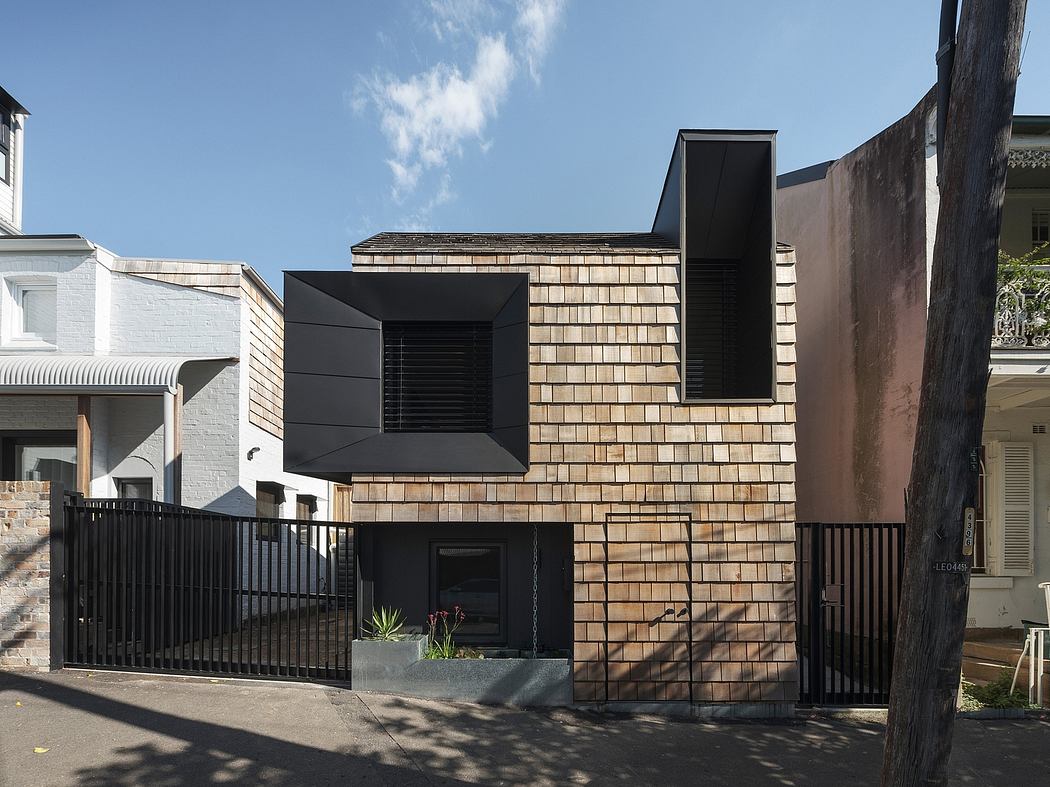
pixel 861 240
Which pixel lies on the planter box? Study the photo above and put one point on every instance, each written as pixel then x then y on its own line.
pixel 399 668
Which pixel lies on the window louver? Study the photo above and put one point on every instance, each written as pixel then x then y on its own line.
pixel 711 338
pixel 437 376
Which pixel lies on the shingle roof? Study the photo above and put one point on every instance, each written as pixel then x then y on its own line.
pixel 515 242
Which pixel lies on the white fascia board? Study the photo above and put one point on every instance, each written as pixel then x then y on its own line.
pixel 17 243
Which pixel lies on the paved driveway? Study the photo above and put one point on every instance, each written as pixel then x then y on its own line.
pixel 105 728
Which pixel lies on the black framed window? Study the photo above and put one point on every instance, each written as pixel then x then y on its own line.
pixel 44 455
pixel 268 500
pixel 5 145
pixel 473 576
pixel 135 488
pixel 437 376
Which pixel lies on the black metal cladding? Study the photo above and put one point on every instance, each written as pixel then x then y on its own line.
pixel 712 344
pixel 437 376
pixel 335 423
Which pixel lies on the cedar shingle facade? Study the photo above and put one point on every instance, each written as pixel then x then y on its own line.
pixel 673 506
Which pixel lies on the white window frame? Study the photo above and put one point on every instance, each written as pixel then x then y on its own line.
pixel 1010 499
pixel 14 337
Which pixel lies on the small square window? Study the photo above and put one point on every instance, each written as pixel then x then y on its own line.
pixel 1040 228
pixel 34 316
pixel 437 376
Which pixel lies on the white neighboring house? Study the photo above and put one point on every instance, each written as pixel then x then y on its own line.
pixel 141 378
pixel 157 379
pixel 12 120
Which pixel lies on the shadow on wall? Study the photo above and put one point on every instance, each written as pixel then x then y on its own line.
pixel 15 629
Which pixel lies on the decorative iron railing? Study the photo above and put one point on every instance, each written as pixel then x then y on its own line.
pixel 1022 315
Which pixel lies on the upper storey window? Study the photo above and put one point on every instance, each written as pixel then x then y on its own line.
pixel 32 313
pixel 1040 228
pixel 5 145
pixel 437 376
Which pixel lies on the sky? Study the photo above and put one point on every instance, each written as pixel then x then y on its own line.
pixel 281 133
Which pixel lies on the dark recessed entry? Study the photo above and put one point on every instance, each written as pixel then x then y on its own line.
pixel 484 568
pixel 718 202
pixel 405 373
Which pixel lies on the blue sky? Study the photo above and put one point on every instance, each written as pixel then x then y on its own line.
pixel 279 133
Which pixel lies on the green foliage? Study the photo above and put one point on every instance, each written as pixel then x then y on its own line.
pixel 995 695
pixel 385 625
pixel 1024 271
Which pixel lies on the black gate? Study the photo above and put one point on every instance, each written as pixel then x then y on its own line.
pixel 167 588
pixel 848 591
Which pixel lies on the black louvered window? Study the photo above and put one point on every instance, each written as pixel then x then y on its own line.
pixel 437 376
pixel 712 330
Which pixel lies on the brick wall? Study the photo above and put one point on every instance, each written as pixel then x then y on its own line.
pixel 25 574
pixel 670 502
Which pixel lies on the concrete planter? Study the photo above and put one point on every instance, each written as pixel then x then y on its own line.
pixel 399 668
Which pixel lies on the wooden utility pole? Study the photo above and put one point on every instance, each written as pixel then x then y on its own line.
pixel 943 483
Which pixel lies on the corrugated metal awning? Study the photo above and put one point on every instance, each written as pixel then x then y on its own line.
pixel 103 374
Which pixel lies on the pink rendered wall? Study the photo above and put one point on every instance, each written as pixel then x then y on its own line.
pixel 861 244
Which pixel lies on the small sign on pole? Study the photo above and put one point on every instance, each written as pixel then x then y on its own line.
pixel 969 526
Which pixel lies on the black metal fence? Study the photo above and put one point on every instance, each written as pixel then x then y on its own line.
pixel 848 591
pixel 156 587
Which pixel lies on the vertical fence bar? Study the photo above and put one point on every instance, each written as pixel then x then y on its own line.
pixel 258 541
pixel 298 609
pixel 327 602
pixel 816 649
pixel 153 524
pixel 883 692
pixel 309 591
pixel 315 534
pixel 286 602
pixel 872 624
pixel 96 605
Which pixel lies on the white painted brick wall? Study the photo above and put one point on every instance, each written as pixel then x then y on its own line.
pixel 157 317
pixel 76 276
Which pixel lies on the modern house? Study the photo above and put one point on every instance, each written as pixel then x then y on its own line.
pixel 586 441
pixel 864 227
pixel 140 378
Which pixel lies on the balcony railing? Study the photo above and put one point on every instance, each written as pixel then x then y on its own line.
pixel 1022 314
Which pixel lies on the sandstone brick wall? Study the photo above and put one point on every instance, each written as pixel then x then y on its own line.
pixel 25 575
pixel 673 504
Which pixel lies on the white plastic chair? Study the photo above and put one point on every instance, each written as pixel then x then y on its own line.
pixel 1034 646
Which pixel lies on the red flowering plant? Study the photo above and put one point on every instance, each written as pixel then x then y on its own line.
pixel 442 626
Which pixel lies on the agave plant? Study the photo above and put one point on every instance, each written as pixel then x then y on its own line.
pixel 385 624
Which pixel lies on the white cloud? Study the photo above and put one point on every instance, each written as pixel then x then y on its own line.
pixel 536 24
pixel 428 117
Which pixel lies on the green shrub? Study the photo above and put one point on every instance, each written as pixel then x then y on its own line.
pixel 995 695
pixel 385 624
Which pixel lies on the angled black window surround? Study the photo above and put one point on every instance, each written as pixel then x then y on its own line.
pixel 718 205
pixel 336 389
pixel 437 376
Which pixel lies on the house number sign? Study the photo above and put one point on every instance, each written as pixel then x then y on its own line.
pixel 969 522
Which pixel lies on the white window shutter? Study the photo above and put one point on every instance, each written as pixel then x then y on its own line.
pixel 1016 513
